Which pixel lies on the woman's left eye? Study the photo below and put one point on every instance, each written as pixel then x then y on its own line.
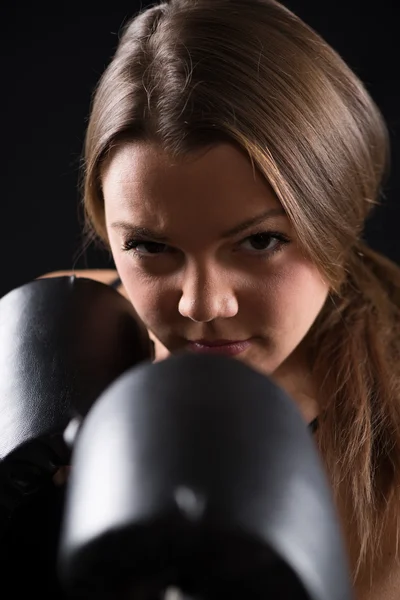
pixel 261 242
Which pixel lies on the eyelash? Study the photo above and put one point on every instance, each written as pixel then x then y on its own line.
pixel 131 245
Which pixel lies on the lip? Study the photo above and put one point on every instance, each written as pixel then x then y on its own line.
pixel 226 347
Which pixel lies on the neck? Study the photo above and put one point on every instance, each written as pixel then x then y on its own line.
pixel 295 377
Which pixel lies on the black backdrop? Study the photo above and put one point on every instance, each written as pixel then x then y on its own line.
pixel 52 57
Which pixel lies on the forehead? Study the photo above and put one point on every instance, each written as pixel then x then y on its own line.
pixel 189 203
pixel 145 171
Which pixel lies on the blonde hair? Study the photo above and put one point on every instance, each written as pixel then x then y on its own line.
pixel 188 74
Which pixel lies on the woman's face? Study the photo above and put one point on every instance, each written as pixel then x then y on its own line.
pixel 205 251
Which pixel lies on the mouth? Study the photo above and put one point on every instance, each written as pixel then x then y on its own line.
pixel 226 347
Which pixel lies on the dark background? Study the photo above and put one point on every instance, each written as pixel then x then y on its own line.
pixel 52 57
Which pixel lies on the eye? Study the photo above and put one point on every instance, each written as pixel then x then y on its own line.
pixel 150 248
pixel 260 243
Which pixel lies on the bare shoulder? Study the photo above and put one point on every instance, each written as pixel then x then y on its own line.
pixel 106 276
pixel 102 275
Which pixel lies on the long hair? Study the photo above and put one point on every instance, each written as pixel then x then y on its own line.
pixel 188 74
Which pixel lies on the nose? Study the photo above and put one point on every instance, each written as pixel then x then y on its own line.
pixel 206 295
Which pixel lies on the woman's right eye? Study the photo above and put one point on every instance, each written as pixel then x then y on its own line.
pixel 143 249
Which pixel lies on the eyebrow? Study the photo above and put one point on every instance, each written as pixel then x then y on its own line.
pixel 155 235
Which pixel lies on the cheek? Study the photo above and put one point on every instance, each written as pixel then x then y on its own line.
pixel 291 301
pixel 305 297
pixel 148 296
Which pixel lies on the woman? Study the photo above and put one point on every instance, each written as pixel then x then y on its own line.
pixel 231 161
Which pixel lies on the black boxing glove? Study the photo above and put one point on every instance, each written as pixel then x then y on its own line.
pixel 198 473
pixel 63 341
